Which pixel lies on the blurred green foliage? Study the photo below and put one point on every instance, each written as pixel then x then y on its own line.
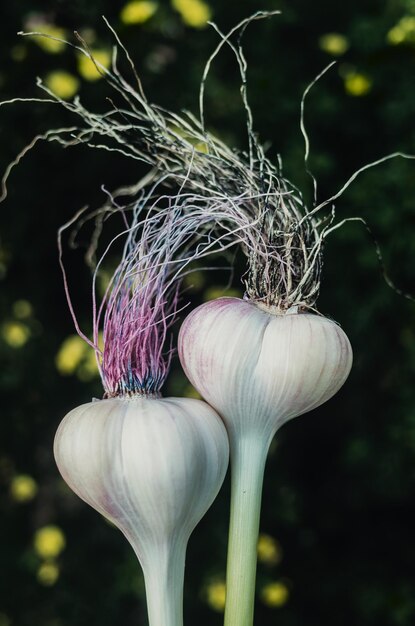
pixel 338 501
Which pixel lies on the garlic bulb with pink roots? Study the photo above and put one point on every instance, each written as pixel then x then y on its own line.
pixel 150 465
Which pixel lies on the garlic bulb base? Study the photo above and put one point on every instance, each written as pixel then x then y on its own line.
pixel 152 467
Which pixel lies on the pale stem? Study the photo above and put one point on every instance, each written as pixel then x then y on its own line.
pixel 164 576
pixel 248 456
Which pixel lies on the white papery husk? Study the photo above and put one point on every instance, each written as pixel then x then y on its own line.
pixel 152 466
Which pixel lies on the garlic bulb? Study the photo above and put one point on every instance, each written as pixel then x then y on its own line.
pixel 153 467
pixel 258 369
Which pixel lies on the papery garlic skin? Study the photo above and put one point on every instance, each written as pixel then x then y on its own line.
pixel 152 466
pixel 258 369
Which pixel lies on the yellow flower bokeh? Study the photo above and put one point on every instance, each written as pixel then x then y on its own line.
pixel 402 32
pixel 269 550
pixel 62 83
pixel 75 356
pixel 275 594
pixel 23 488
pixel 48 573
pixel 357 84
pixel 334 43
pixel 52 46
pixel 195 13
pixel 215 592
pixel 138 11
pixel 49 541
pixel 92 71
pixel 70 355
pixel 15 334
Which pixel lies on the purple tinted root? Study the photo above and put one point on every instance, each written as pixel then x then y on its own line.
pixel 138 308
pixel 162 236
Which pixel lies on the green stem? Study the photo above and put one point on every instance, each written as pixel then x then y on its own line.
pixel 164 585
pixel 248 456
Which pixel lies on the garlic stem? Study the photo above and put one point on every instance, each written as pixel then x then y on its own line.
pixel 164 585
pixel 248 456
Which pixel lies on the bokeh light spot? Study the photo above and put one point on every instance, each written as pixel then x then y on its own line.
pixel 48 573
pixel 138 11
pixel 215 593
pixel 15 334
pixel 269 550
pixel 357 84
pixel 70 355
pixel 275 594
pixel 62 83
pixel 402 32
pixel 195 13
pixel 23 488
pixel 52 46
pixel 91 71
pixel 334 44
pixel 49 541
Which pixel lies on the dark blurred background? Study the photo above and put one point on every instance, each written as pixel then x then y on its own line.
pixel 337 531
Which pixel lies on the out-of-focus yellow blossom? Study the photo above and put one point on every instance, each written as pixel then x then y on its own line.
pixel 49 541
pixel 138 11
pixel 217 292
pixel 22 309
pixel 87 67
pixel 76 357
pixel 63 84
pixel 4 620
pixel 23 488
pixel 275 594
pixel 50 45
pixel 357 84
pixel 269 550
pixel 70 355
pixel 402 32
pixel 48 573
pixel 334 43
pixel 15 334
pixel 216 595
pixel 195 13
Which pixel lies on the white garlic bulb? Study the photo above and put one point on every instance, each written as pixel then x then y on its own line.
pixel 259 369
pixel 153 467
